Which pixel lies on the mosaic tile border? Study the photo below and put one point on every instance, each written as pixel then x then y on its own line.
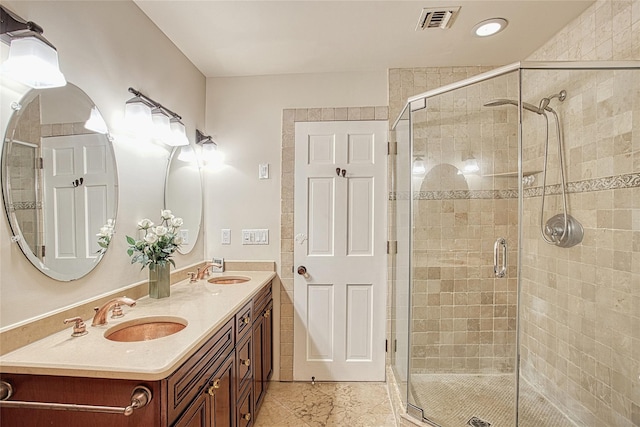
pixel 17 206
pixel 585 186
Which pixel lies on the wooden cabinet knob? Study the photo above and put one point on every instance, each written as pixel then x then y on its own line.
pixel 246 320
pixel 267 313
pixel 247 416
pixel 246 362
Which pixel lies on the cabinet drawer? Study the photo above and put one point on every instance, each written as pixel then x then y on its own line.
pixel 245 410
pixel 244 317
pixel 186 382
pixel 244 363
pixel 261 299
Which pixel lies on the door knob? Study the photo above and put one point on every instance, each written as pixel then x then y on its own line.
pixel 302 270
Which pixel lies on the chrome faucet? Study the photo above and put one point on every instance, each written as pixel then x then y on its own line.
pixel 100 317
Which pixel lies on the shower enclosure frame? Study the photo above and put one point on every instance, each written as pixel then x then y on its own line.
pixel 406 114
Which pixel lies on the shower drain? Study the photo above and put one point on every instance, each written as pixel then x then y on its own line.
pixel 477 422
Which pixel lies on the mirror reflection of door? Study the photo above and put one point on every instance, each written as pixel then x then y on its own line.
pixel 59 181
pixel 76 181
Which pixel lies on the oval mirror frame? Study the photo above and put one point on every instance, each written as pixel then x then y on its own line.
pixel 59 181
pixel 183 193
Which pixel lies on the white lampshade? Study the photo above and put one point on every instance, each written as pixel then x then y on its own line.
pixel 212 157
pixel 187 154
pixel 95 122
pixel 137 115
pixel 34 63
pixel 178 134
pixel 161 128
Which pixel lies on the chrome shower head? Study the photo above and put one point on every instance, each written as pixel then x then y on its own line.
pixel 502 101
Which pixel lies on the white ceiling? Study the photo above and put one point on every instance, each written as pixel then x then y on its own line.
pixel 242 38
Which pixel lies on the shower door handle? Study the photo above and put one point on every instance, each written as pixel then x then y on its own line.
pixel 500 269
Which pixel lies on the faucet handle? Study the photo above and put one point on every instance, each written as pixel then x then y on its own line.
pixel 79 329
pixel 192 276
pixel 116 312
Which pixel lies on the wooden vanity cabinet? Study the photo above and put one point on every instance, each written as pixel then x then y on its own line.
pixel 220 385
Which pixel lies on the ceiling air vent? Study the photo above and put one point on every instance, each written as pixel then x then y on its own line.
pixel 437 17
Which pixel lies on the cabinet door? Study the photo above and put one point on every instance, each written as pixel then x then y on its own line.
pixel 222 397
pixel 267 346
pixel 197 415
pixel 259 387
pixel 263 356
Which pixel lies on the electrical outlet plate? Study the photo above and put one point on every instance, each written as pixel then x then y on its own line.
pixel 258 236
pixel 218 265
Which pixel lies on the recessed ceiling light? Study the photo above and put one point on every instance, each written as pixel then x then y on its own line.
pixel 489 27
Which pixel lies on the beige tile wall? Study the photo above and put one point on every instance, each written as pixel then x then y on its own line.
pixel 289 118
pixel 22 172
pixel 580 319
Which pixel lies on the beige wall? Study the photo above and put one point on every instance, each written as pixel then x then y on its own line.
pixel 250 117
pixel 104 48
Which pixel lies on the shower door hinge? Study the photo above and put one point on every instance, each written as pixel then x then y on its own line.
pixel 386 346
pixel 39 163
pixel 42 251
pixel 392 148
pixel 392 247
pixel 395 346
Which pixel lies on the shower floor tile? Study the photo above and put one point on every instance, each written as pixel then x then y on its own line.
pixel 326 404
pixel 451 400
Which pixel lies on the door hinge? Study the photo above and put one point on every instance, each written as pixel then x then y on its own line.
pixel 392 247
pixel 386 346
pixel 42 251
pixel 39 163
pixel 395 346
pixel 392 148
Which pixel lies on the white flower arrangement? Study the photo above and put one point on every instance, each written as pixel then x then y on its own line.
pixel 105 234
pixel 159 242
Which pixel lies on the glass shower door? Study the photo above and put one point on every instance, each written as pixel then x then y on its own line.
pixel 462 357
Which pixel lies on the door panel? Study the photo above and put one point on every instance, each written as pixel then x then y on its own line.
pixel 340 229
pixel 321 216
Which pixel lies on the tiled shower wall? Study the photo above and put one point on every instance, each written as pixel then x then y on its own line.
pixel 581 322
pixel 23 174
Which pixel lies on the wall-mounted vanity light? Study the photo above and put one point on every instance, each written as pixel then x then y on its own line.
pixel 32 60
pixel 143 114
pixel 211 156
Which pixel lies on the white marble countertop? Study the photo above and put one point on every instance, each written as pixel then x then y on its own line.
pixel 204 305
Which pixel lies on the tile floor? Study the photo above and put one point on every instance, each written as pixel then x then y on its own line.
pixel 326 404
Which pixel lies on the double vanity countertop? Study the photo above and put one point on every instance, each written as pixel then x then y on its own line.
pixel 205 306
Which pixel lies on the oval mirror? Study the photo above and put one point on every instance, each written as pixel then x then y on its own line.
pixel 59 181
pixel 183 194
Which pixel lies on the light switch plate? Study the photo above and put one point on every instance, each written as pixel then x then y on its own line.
pixel 225 237
pixel 263 171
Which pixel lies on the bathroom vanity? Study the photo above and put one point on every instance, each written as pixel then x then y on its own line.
pixel 214 372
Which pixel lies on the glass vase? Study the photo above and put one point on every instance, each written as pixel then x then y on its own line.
pixel 159 280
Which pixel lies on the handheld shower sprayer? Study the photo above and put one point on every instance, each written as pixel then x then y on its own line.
pixel 561 230
pixel 544 102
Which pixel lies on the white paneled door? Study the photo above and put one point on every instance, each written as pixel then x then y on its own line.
pixel 340 239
